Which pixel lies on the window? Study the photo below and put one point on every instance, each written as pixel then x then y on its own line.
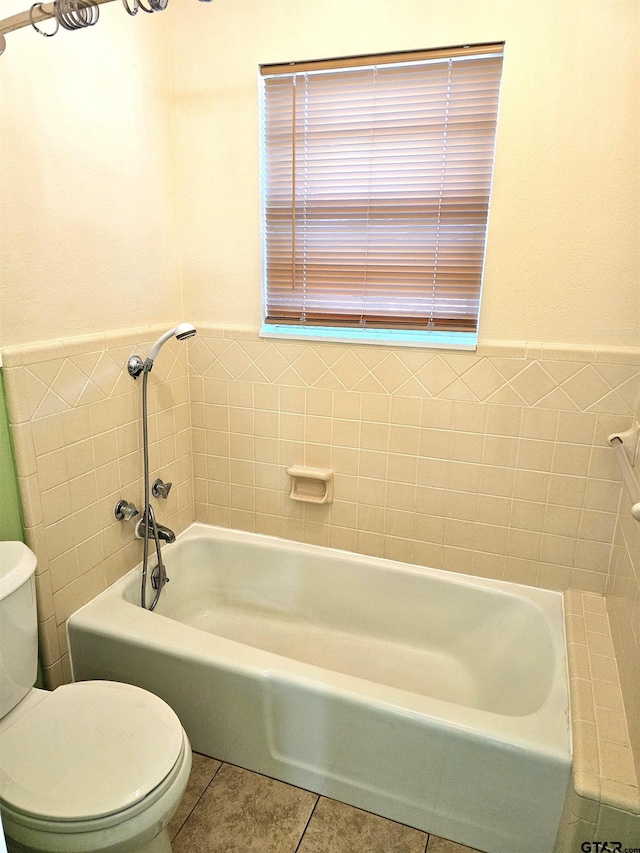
pixel 376 179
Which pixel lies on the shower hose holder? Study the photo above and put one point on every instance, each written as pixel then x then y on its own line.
pixel 135 366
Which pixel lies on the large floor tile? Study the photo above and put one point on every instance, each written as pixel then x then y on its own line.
pixel 203 770
pixel 242 812
pixel 441 845
pixel 338 828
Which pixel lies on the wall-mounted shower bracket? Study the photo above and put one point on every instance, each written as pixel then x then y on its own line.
pixel 135 366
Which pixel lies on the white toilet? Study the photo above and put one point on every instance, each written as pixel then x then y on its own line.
pixel 93 766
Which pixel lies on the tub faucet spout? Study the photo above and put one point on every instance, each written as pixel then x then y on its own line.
pixel 164 534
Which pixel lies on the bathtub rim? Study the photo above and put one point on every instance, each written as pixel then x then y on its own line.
pixel 551 721
pixel 198 528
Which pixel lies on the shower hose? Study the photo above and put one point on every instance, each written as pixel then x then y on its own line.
pixel 159 575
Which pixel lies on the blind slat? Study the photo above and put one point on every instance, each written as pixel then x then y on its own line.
pixel 376 189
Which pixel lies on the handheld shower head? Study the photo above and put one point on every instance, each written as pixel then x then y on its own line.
pixel 135 365
pixel 183 331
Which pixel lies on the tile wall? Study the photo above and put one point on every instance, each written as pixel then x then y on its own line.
pixel 623 605
pixel 603 800
pixel 493 463
pixel 76 422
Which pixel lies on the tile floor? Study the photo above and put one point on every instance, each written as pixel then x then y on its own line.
pixel 226 809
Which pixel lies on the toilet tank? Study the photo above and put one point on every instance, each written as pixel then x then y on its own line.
pixel 18 624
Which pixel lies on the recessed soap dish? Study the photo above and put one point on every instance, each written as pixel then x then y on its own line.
pixel 311 485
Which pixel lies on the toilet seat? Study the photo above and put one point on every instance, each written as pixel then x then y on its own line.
pixel 110 823
pixel 87 753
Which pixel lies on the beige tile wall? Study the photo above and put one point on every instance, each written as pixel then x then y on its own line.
pixel 76 423
pixel 603 801
pixel 603 759
pixel 493 463
pixel 623 604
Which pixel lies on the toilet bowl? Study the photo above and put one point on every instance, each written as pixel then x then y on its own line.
pixel 92 767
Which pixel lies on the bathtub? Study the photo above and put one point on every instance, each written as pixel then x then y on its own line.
pixel 431 698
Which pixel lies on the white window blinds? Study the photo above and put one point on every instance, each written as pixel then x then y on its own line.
pixel 376 182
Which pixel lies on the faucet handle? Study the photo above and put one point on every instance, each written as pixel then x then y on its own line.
pixel 160 489
pixel 125 511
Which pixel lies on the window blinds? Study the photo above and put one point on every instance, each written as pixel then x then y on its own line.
pixel 376 183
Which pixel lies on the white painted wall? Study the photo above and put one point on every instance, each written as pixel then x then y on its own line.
pixel 562 261
pixel 88 241
pixel 136 141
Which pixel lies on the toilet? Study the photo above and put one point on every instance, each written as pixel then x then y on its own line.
pixel 92 767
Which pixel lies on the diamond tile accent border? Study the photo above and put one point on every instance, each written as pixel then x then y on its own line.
pixel 569 378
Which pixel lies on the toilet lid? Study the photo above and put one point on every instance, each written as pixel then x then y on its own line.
pixel 88 750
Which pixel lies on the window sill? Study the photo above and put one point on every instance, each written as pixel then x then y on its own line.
pixel 382 337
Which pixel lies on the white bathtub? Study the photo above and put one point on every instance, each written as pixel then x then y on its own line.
pixel 434 699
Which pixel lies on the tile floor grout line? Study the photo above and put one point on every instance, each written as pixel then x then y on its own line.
pixel 429 836
pixel 306 826
pixel 197 802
